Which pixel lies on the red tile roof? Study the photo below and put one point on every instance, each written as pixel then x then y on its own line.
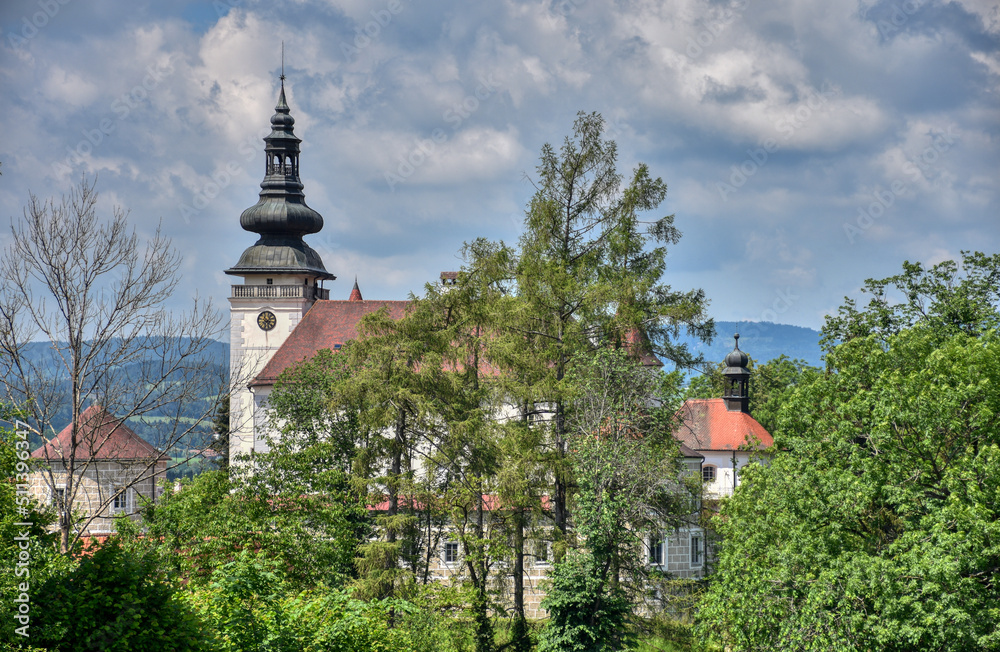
pixel 706 425
pixel 327 325
pixel 100 436
pixel 490 503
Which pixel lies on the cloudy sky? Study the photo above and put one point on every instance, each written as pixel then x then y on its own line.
pixel 807 144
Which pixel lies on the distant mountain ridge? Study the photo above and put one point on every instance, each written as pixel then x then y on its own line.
pixel 45 359
pixel 762 341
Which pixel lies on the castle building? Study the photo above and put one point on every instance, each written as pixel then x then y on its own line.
pixel 281 315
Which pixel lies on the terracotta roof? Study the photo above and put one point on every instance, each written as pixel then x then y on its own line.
pixel 100 437
pixel 706 425
pixel 327 325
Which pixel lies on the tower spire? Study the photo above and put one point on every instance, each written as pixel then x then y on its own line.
pixel 355 292
pixel 281 216
pixel 737 379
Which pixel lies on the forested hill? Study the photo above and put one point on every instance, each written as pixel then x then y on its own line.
pixel 762 341
pixel 214 361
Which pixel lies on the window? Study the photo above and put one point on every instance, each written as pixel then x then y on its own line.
pixel 541 553
pixel 655 551
pixel 451 552
pixel 696 551
pixel 708 473
pixel 120 501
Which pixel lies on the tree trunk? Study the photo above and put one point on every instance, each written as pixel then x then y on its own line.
pixel 521 642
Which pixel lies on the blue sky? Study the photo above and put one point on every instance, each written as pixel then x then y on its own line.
pixel 807 144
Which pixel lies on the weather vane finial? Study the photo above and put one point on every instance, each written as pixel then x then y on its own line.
pixel 282 61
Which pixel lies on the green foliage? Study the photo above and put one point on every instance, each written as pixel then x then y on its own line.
pixel 629 481
pixel 220 428
pixel 205 523
pixel 113 599
pixel 625 458
pixel 27 553
pixel 877 524
pixel 242 603
pixel 950 297
pixel 585 614
pixel 250 606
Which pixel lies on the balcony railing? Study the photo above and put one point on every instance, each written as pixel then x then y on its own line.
pixel 279 292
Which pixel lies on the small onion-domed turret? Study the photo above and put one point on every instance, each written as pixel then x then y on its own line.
pixel 737 379
pixel 737 358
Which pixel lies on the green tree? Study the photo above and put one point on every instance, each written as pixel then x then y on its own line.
pixel 875 526
pixel 114 599
pixel 585 613
pixel 220 428
pixel 630 483
pixel 953 296
pixel 588 269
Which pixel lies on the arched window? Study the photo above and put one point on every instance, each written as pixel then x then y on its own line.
pixel 708 473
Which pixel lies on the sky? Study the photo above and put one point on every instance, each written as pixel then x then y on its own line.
pixel 807 144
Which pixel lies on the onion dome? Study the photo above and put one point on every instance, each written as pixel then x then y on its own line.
pixel 736 360
pixel 281 216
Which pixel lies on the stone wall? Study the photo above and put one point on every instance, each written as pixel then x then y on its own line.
pixel 96 486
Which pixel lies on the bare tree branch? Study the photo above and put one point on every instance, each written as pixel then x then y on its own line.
pixel 95 292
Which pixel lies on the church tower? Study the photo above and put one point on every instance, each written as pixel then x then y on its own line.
pixel 281 275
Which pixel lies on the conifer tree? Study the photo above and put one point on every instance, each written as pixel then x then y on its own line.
pixel 588 272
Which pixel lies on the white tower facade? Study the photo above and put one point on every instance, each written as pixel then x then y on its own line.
pixel 281 278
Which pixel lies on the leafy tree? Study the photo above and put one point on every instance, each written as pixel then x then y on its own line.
pixel 114 599
pixel 585 614
pixel 243 603
pixel 250 606
pixel 876 524
pixel 588 269
pixel 211 518
pixel 950 296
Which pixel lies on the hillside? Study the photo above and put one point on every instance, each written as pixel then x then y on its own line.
pixel 153 426
pixel 762 341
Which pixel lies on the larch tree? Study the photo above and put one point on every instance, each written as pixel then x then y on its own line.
pixel 588 272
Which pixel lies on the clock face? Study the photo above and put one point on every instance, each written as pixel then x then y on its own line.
pixel 266 320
